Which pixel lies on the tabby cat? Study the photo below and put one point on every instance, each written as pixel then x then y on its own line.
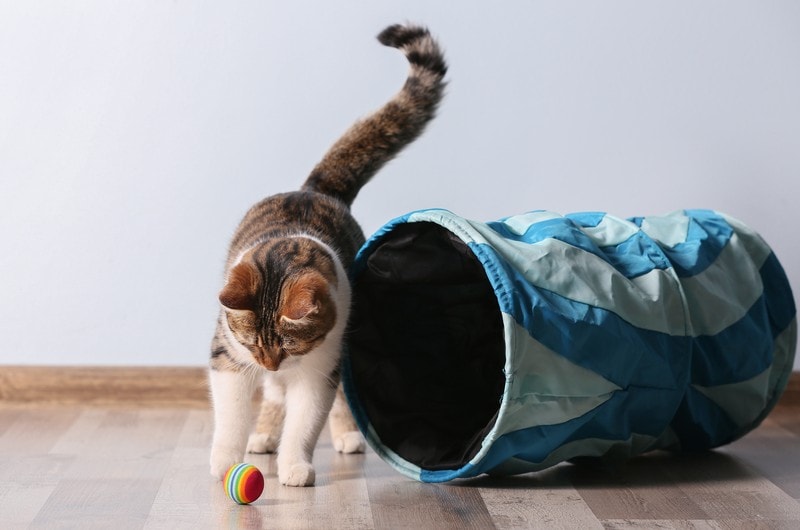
pixel 286 298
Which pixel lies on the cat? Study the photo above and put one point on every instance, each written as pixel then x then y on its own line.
pixel 286 298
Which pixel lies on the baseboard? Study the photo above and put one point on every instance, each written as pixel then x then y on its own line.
pixel 140 386
pixel 791 396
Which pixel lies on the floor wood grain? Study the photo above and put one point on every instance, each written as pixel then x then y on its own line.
pixel 123 466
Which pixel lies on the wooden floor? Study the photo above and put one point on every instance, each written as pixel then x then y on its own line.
pixel 117 467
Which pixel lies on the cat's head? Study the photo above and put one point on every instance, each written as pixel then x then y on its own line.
pixel 278 301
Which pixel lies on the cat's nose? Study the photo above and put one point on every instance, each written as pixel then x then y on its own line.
pixel 269 360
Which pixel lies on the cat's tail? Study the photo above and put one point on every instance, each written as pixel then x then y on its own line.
pixel 376 139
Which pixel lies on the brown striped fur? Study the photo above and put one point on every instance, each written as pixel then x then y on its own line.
pixel 286 292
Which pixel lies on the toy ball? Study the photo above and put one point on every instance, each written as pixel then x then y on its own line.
pixel 244 483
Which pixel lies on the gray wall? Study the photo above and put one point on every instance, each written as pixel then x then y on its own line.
pixel 134 135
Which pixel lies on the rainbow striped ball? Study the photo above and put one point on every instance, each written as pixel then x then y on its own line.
pixel 244 483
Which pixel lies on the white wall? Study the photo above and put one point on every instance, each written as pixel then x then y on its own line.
pixel 133 136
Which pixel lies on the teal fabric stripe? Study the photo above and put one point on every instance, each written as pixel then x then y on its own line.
pixel 520 224
pixel 725 291
pixel 753 243
pixel 586 219
pixel 610 232
pixel 668 230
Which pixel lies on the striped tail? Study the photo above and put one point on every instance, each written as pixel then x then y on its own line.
pixel 371 142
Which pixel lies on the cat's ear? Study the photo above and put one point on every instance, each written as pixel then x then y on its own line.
pixel 241 289
pixel 307 300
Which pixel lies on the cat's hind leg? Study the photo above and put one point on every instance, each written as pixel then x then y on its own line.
pixel 344 431
pixel 267 434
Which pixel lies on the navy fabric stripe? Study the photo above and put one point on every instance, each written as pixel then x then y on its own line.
pixel 701 424
pixel 591 337
pixel 779 299
pixel 740 352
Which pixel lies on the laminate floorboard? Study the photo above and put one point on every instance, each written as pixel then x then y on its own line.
pixel 119 467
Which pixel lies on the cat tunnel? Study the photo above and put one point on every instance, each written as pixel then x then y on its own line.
pixel 510 346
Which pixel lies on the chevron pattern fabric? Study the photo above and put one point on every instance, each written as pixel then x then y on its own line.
pixel 620 336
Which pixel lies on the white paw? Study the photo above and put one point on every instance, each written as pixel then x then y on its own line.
pixel 221 461
pixel 350 442
pixel 261 443
pixel 297 474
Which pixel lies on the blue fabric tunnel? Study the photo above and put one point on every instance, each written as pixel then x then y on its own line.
pixel 511 346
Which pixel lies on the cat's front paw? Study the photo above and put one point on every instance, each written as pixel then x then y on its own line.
pixel 261 443
pixel 297 474
pixel 222 459
pixel 349 442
